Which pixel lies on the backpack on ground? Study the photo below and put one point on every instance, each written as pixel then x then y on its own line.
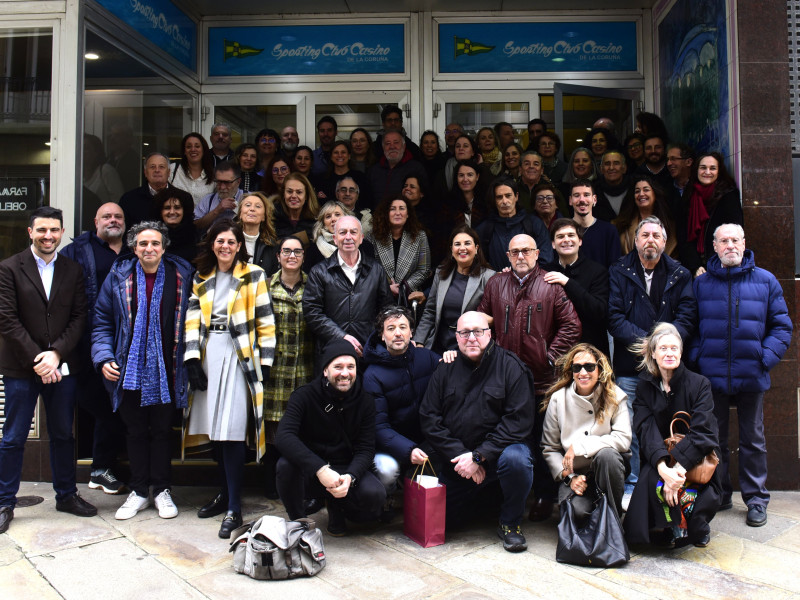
pixel 273 548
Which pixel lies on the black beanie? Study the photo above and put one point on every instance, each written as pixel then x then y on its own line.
pixel 335 349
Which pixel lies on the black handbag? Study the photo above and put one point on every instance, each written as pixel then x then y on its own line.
pixel 600 543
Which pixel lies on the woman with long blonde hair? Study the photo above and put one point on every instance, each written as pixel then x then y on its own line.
pixel 587 430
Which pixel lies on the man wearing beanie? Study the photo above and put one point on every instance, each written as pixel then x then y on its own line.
pixel 327 443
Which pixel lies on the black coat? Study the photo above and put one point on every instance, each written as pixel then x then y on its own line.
pixel 333 307
pixel 484 408
pixel 310 437
pixel 587 288
pixel 652 413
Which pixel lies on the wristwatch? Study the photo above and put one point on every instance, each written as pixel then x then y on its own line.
pixel 568 479
pixel 477 458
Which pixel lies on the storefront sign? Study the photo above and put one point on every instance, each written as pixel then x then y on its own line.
pixel 537 47
pixel 20 195
pixel 161 22
pixel 306 50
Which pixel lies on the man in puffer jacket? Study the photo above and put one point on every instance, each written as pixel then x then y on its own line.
pixel 396 377
pixel 744 332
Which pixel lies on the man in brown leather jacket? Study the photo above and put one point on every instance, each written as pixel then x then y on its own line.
pixel 535 320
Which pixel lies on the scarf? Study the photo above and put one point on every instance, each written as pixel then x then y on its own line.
pixel 145 368
pixel 325 243
pixel 686 500
pixel 698 214
pixel 492 156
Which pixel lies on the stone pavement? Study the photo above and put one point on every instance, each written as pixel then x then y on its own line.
pixel 47 555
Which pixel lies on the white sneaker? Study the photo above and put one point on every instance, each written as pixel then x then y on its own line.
pixel 166 507
pixel 133 504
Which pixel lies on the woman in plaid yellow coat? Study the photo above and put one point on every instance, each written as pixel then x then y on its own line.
pixel 230 346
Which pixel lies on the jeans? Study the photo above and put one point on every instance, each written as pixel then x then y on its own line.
pixel 628 385
pixel 59 404
pixel 149 443
pixel 363 502
pixel 752 446
pixel 108 429
pixel 514 471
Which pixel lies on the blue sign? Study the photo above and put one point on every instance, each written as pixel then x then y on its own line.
pixel 161 22
pixel 306 50
pixel 537 47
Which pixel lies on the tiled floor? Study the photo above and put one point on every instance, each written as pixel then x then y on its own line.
pixel 47 554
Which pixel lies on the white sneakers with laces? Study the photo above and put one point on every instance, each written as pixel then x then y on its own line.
pixel 166 507
pixel 132 505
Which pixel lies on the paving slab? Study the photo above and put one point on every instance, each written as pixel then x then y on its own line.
pixel 773 566
pixel 733 523
pixel 9 551
pixel 20 579
pixel 669 575
pixel 128 570
pixel 786 504
pixel 226 583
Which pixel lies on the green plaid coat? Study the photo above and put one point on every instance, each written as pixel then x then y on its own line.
pixel 294 349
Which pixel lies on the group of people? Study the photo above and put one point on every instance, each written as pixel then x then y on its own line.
pixel 545 352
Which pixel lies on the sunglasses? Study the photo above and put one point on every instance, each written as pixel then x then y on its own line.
pixel 578 367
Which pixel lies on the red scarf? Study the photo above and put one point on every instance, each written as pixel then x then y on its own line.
pixel 698 214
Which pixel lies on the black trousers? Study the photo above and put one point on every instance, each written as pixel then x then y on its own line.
pixel 149 443
pixel 363 502
pixel 108 431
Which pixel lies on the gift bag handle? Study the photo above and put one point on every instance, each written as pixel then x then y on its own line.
pixel 425 462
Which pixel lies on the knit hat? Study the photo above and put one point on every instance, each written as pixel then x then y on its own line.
pixel 335 349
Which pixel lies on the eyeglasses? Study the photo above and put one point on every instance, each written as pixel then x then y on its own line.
pixel 524 251
pixel 449 131
pixel 266 140
pixel 588 367
pixel 545 198
pixel 346 190
pixel 292 251
pixel 465 333
pixel 225 181
pixel 278 170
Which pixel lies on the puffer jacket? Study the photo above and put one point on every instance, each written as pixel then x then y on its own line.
pixel 537 321
pixel 744 326
pixel 114 320
pixel 397 383
pixel 333 307
pixel 631 315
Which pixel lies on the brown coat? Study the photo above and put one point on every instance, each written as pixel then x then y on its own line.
pixel 30 323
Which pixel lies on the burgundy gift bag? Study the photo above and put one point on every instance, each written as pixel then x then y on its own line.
pixel 424 513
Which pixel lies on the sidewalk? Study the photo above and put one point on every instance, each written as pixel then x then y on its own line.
pixel 47 555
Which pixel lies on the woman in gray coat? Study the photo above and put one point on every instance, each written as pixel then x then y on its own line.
pixel 457 288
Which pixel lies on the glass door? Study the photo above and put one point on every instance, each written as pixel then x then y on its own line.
pixel 575 108
pixel 359 109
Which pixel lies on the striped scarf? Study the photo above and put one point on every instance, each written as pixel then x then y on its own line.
pixel 145 368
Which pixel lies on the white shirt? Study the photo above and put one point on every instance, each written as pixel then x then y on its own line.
pixel 46 271
pixel 349 271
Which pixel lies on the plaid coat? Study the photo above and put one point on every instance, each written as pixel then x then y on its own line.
pixel 252 327
pixel 294 352
pixel 413 261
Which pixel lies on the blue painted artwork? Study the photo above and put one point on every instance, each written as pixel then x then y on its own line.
pixel 161 22
pixel 306 50
pixel 693 67
pixel 537 47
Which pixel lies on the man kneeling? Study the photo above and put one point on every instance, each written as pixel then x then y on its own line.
pixel 327 441
pixel 478 413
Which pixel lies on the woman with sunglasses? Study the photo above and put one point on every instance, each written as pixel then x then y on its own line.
pixel 267 141
pixel 587 431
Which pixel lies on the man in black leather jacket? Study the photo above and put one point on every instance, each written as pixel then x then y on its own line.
pixel 345 291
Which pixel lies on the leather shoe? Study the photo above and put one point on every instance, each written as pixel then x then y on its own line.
pixel 231 521
pixel 703 541
pixel 75 505
pixel 541 510
pixel 216 506
pixel 726 505
pixel 6 515
pixel 756 515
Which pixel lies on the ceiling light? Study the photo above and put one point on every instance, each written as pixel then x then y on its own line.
pixel 579 139
pixel 91 56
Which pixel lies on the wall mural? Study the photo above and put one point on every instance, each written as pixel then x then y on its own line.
pixel 693 70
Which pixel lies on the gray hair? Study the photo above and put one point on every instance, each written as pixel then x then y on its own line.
pixel 738 227
pixel 529 152
pixel 158 226
pixel 646 346
pixel 225 125
pixel 338 183
pixel 651 220
pixel 324 210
